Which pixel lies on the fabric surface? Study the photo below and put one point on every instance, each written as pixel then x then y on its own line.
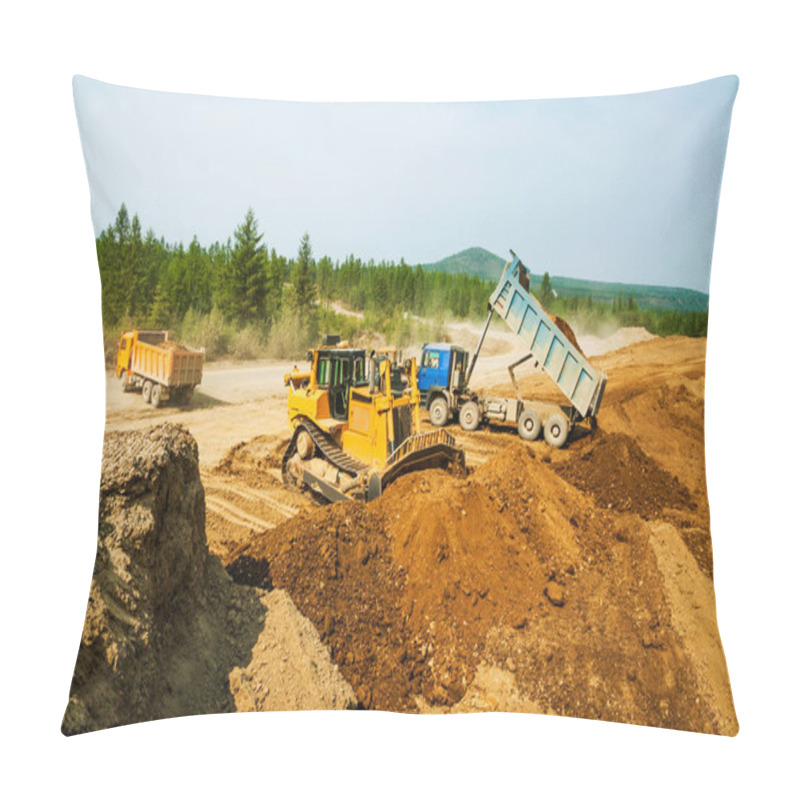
pixel 320 489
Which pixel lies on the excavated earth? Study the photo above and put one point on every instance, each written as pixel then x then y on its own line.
pixel 574 581
pixel 167 631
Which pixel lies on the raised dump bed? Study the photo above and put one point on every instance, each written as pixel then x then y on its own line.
pixel 446 371
pixel 581 383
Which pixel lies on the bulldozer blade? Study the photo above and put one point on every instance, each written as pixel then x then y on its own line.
pixel 327 490
pixel 437 456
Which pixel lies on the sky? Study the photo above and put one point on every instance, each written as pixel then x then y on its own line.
pixel 621 188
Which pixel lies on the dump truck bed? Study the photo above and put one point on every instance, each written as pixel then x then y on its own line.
pixel 580 382
pixel 168 364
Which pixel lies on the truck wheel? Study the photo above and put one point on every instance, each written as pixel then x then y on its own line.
pixel 438 412
pixel 123 380
pixel 147 390
pixel 529 426
pixel 155 395
pixel 470 416
pixel 556 430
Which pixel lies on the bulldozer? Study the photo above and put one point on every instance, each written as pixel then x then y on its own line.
pixel 353 434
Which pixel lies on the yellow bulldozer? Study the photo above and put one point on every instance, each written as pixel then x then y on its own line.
pixel 353 434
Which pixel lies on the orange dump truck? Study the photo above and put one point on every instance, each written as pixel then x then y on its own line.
pixel 158 366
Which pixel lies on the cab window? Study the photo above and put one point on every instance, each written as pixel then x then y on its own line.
pixel 431 359
pixel 358 372
pixel 323 371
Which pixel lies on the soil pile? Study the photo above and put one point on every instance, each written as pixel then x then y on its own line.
pixel 254 460
pixel 165 625
pixel 655 399
pixel 511 572
pixel 655 394
pixel 614 470
pixel 336 564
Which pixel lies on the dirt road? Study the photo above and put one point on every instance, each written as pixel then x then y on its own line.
pixel 233 403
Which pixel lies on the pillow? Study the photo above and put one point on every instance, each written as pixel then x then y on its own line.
pixel 356 456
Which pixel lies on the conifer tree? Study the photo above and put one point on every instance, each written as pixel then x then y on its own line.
pixel 243 279
pixel 546 294
pixel 303 286
pixel 325 278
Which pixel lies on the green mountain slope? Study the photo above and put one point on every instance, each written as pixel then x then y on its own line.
pixel 473 261
pixel 478 262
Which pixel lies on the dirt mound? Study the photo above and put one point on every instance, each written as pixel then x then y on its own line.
pixel 619 475
pixel 615 471
pixel 444 580
pixel 336 564
pixel 165 626
pixel 253 459
pixel 468 568
pixel 655 394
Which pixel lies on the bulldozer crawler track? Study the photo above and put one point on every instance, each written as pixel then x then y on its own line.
pixel 328 449
pixel 326 446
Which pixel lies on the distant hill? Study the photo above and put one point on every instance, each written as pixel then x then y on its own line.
pixel 474 261
pixel 478 262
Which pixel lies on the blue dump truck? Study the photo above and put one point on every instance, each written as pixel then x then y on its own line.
pixel 446 369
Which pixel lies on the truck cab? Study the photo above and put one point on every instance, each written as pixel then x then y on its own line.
pixel 442 375
pixel 126 344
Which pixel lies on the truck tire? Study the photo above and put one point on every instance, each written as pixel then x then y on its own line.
pixel 529 426
pixel 556 430
pixel 123 380
pixel 438 412
pixel 155 395
pixel 147 390
pixel 469 417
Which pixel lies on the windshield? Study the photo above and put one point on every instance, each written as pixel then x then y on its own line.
pixel 339 371
pixel 430 359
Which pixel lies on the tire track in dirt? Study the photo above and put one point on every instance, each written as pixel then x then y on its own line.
pixel 239 511
pixel 249 493
pixel 235 515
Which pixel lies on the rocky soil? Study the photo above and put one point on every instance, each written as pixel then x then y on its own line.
pixel 167 631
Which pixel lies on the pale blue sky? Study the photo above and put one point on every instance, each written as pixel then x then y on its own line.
pixel 620 188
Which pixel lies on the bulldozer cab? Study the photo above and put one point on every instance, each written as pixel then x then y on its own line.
pixel 337 370
pixel 353 434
